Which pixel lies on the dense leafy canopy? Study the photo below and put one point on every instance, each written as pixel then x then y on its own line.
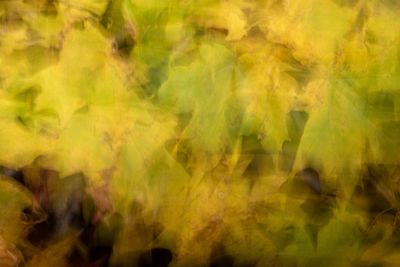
pixel 252 133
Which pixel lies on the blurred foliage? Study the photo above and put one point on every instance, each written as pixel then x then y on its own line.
pixel 199 133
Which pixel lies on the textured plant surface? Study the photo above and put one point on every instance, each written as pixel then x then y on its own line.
pixel 199 133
